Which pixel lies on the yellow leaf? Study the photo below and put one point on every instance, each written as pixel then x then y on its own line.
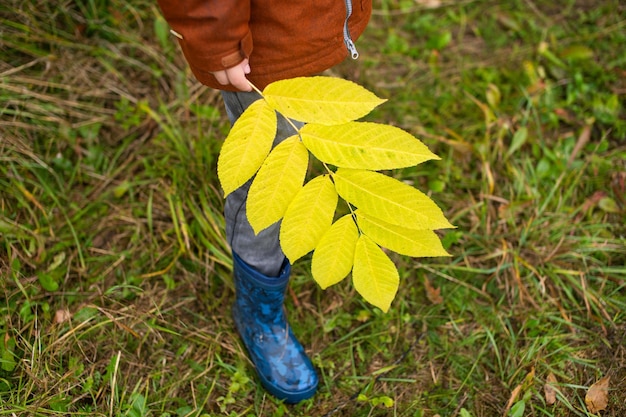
pixel 405 241
pixel 597 398
pixel 364 145
pixel 388 199
pixel 374 275
pixel 322 100
pixel 308 217
pixel 278 181
pixel 334 255
pixel 246 146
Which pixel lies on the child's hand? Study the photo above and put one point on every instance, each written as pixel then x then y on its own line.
pixel 236 76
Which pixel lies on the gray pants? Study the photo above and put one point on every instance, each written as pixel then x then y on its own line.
pixel 262 251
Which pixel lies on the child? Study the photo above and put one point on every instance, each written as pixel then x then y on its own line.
pixel 227 43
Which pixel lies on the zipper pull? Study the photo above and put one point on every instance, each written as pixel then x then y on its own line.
pixel 347 39
pixel 351 48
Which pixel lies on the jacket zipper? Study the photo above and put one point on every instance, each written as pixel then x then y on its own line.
pixel 347 39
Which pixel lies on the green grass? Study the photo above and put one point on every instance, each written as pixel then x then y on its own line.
pixel 115 276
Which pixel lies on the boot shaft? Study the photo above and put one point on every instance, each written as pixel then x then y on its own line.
pixel 258 295
pixel 278 357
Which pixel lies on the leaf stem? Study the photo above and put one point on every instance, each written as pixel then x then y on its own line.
pixel 295 128
pixel 350 206
pixel 255 88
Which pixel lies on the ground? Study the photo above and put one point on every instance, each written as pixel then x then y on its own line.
pixel 116 288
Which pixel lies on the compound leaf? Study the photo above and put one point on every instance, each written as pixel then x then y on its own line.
pixel 388 199
pixel 246 146
pixel 374 275
pixel 323 100
pixel 308 217
pixel 334 255
pixel 365 145
pixel 410 242
pixel 278 181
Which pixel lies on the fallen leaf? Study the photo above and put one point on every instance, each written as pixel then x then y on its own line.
pixel 61 316
pixel 549 390
pixel 514 394
pixel 597 397
pixel 528 379
pixel 433 294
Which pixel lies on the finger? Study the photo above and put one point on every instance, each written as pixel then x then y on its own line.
pixel 221 77
pixel 238 79
pixel 246 66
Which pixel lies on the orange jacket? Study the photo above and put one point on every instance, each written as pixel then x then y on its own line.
pixel 281 38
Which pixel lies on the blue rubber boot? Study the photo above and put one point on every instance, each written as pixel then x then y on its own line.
pixel 280 361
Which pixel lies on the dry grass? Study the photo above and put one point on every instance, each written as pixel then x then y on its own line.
pixel 115 275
